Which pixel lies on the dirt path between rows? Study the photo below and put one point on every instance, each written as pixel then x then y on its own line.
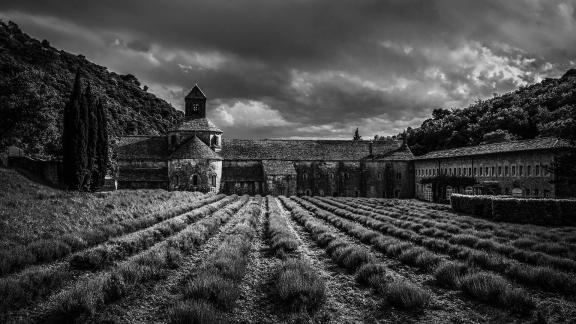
pixel 345 302
pixel 151 302
pixel 254 304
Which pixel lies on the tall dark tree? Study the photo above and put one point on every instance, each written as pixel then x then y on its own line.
pixel 70 139
pixel 90 181
pixel 357 136
pixel 101 146
pixel 85 140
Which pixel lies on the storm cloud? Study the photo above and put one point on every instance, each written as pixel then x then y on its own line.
pixel 315 69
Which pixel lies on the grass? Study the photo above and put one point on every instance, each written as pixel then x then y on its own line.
pixel 449 274
pixel 194 312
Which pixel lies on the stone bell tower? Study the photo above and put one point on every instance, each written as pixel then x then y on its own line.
pixel 195 104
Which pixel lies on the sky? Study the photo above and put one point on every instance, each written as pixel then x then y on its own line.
pixel 311 68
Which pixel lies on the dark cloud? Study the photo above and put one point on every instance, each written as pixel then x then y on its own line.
pixel 308 68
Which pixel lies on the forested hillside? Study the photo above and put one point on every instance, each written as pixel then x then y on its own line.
pixel 547 108
pixel 36 81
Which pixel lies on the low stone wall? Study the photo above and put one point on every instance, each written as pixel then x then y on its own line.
pixel 551 212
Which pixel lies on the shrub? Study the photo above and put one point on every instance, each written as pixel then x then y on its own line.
pixel 352 257
pixel 449 274
pixel 372 274
pixel 556 212
pixel 194 312
pixel 298 286
pixel 215 289
pixel 407 295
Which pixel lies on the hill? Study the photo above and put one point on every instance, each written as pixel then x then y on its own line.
pixel 547 108
pixel 36 81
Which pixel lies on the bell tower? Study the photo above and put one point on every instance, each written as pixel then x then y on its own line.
pixel 195 104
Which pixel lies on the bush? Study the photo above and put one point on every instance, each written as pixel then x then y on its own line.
pixel 551 212
pixel 195 312
pixel 407 295
pixel 494 289
pixel 372 275
pixel 298 286
pixel 449 274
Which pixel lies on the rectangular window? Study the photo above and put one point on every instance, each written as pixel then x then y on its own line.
pixel 529 170
pixel 499 171
pixel 513 170
pixel 486 169
pixel 537 170
pixel 492 173
pixel 475 172
pixel 480 171
pixel 506 171
pixel 464 172
pixel 470 171
pixel 459 171
pixel 521 170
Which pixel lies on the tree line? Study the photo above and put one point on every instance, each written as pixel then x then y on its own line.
pixel 84 139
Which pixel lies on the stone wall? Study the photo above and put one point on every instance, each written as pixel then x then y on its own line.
pixel 524 171
pixel 195 175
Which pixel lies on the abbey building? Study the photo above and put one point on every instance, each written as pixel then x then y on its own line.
pixel 196 156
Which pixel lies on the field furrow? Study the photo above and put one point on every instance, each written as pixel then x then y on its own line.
pixel 23 288
pixel 149 302
pixel 91 291
pixel 346 302
pixel 447 305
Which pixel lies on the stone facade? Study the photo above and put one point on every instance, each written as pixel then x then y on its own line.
pixel 520 168
pixel 194 156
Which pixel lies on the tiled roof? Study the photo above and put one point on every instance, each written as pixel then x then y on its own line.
pixel 196 93
pixel 251 172
pixel 278 167
pixel 199 124
pixel 143 148
pixel 301 150
pixel 402 154
pixel 544 143
pixel 194 148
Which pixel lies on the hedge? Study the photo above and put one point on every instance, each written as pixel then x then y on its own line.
pixel 549 212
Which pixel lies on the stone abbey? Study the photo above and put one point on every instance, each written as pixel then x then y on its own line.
pixel 196 156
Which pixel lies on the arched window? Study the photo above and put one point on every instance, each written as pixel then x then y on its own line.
pixel 469 190
pixel 517 192
pixel 308 192
pixel 305 176
pixel 194 179
pixel 331 176
pixel 321 193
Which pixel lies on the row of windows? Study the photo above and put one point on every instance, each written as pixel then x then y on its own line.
pixel 488 171
pixel 304 176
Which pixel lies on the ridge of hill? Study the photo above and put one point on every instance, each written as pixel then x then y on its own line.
pixel 36 81
pixel 547 108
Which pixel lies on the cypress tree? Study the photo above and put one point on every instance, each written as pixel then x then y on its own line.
pixel 101 146
pixel 81 146
pixel 92 140
pixel 69 138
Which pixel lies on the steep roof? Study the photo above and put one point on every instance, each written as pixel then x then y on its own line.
pixel 143 148
pixel 195 93
pixel 301 150
pixel 278 167
pixel 545 143
pixel 199 124
pixel 194 148
pixel 402 154
pixel 250 172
